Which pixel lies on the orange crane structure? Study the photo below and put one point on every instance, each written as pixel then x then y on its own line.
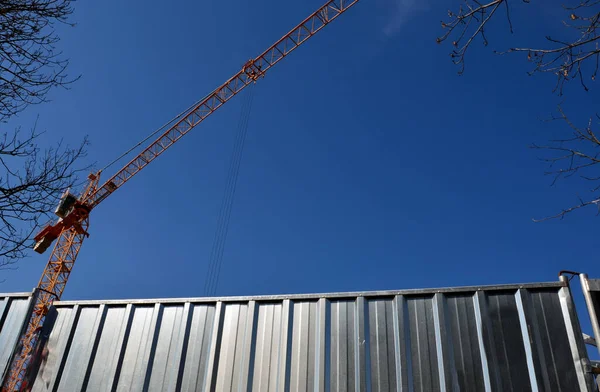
pixel 72 227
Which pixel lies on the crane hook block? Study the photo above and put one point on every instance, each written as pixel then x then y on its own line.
pixel 252 70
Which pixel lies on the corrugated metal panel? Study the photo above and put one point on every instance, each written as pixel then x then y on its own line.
pixel 14 309
pixel 502 338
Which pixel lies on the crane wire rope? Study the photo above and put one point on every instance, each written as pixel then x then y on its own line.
pixel 218 248
pixel 227 201
pixel 216 256
pixel 171 121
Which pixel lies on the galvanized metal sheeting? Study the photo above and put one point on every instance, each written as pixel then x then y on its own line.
pixel 503 338
pixel 14 309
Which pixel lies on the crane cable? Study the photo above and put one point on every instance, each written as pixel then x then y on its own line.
pixel 218 248
pixel 171 121
pixel 216 257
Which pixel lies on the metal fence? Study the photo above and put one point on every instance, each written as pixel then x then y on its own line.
pixel 494 338
pixel 14 310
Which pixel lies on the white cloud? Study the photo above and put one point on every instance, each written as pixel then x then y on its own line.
pixel 401 11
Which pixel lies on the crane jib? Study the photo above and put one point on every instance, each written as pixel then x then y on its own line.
pixel 251 71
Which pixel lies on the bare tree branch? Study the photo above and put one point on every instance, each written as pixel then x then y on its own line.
pixel 578 154
pixel 574 56
pixel 577 58
pixel 31 183
pixel 564 212
pixel 31 179
pixel 30 65
pixel 467 24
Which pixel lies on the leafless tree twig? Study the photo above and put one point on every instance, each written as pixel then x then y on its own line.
pixel 576 57
pixel 578 154
pixel 31 183
pixel 30 64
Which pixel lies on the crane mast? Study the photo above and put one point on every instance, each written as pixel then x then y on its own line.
pixel 71 229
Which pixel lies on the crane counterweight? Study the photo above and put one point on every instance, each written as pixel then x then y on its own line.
pixel 50 232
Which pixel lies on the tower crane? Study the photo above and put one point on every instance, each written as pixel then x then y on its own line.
pixel 73 211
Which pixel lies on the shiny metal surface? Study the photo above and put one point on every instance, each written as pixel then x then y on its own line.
pixel 591 292
pixel 14 309
pixel 496 338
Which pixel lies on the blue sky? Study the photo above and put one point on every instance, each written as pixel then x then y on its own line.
pixel 369 164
